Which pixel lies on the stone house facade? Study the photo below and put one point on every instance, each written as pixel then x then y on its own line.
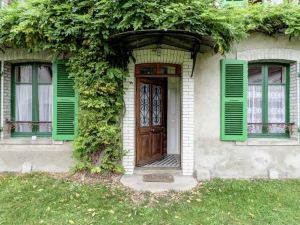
pixel 204 114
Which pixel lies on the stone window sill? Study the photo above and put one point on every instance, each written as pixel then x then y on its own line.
pixel 268 142
pixel 29 141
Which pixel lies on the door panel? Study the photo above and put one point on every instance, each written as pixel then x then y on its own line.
pixel 144 141
pixel 157 144
pixel 150 116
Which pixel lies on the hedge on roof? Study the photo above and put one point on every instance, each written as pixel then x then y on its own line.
pixel 79 30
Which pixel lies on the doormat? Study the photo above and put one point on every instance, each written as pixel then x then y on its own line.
pixel 164 177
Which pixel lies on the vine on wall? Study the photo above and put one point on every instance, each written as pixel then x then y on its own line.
pixel 79 30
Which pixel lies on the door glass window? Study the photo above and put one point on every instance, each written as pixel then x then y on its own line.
pixel 276 99
pixel 156 105
pixel 255 99
pixel 167 70
pixel 148 70
pixel 23 103
pixel 45 97
pixel 144 105
pixel 158 69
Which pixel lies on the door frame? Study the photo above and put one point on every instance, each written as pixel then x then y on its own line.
pixel 139 77
pixel 187 102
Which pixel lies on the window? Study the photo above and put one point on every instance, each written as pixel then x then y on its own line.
pixel 268 100
pixel 159 69
pixel 32 99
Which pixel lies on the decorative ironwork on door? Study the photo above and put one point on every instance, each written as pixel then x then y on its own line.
pixel 144 105
pixel 156 105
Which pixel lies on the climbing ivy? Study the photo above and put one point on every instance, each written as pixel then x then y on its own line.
pixel 79 30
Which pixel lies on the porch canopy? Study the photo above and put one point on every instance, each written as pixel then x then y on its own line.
pixel 124 43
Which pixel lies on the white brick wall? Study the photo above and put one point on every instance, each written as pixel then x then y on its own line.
pixel 6 98
pixel 293 98
pixel 187 116
pixel 187 105
pixel 129 121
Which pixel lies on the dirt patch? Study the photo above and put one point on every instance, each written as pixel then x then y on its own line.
pixel 113 181
pixel 88 178
pixel 2 174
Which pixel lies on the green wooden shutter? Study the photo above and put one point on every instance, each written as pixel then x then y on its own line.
pixel 234 100
pixel 65 104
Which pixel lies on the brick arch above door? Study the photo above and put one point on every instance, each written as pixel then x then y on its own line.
pixel 155 55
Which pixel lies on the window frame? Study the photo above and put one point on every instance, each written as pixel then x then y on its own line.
pixel 157 67
pixel 35 106
pixel 265 100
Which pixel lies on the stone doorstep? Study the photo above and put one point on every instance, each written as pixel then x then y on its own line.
pixel 164 178
pixel 143 171
pixel 181 183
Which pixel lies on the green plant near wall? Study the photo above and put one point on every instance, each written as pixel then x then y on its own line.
pixel 78 30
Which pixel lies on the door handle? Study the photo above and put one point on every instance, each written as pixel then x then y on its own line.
pixel 152 130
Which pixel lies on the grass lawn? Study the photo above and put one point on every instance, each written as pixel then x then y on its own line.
pixel 42 199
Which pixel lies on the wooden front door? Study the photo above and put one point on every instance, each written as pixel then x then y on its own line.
pixel 150 119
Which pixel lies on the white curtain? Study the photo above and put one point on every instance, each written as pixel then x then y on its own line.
pixel 45 98
pixel 276 107
pixel 24 99
pixel 277 1
pixel 255 108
